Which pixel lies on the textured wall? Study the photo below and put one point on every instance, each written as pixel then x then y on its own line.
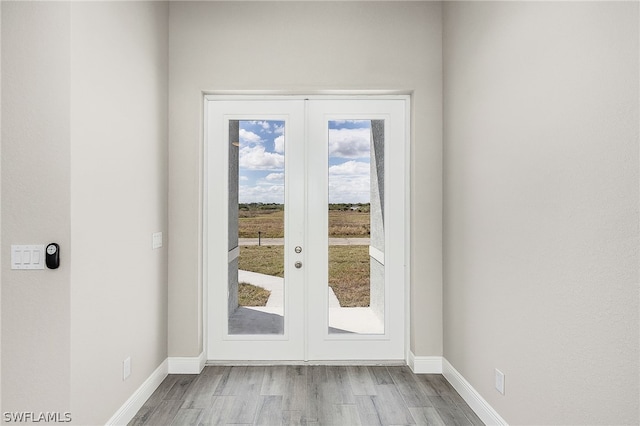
pixel 376 279
pixel 234 191
pixel 305 47
pixel 541 207
pixel 377 184
pixel 233 287
pixel 234 182
pixel 376 269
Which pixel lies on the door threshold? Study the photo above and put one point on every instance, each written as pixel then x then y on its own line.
pixel 244 363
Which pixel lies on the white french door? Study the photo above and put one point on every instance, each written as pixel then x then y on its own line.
pixel 305 228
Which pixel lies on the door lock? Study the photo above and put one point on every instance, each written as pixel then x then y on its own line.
pixel 298 249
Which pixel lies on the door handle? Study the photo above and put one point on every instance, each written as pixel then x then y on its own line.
pixel 298 264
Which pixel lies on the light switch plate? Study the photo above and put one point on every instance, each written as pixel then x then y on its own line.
pixel 157 240
pixel 27 257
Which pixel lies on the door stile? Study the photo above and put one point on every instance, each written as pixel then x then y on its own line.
pixel 326 342
pixel 222 343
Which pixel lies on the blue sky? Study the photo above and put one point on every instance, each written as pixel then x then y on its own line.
pixel 262 151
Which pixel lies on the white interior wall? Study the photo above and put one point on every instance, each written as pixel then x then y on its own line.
pixel 541 207
pixel 35 204
pixel 118 200
pixel 563 227
pixel 1 258
pixel 303 47
pixel 84 96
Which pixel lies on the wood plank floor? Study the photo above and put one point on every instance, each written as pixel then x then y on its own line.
pixel 305 395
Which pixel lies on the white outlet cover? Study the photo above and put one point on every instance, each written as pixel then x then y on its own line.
pixel 157 240
pixel 126 368
pixel 500 381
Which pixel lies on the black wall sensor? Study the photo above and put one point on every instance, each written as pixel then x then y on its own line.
pixel 52 256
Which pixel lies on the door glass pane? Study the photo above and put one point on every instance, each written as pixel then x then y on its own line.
pixel 356 226
pixel 256 227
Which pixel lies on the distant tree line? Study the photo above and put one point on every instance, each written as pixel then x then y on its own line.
pixel 260 206
pixel 359 207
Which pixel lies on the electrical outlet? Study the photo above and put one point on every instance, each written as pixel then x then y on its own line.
pixel 157 240
pixel 126 368
pixel 500 381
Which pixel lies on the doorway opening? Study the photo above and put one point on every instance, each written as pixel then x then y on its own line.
pixel 302 185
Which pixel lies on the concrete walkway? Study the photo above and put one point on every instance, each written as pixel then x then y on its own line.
pixel 269 319
pixel 276 286
pixel 280 241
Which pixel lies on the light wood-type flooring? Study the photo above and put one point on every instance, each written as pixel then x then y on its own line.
pixel 305 395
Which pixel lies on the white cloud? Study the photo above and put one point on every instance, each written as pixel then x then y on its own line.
pixel 256 158
pixel 264 124
pixel 279 144
pixel 349 182
pixel 351 168
pixel 351 121
pixel 349 189
pixel 278 129
pixel 262 194
pixel 275 177
pixel 243 178
pixel 249 137
pixel 349 143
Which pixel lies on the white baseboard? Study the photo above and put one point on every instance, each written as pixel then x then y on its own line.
pixel 425 364
pixel 187 365
pixel 477 403
pixel 140 396
pixel 418 364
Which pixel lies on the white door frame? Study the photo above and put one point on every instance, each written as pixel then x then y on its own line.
pixel 258 96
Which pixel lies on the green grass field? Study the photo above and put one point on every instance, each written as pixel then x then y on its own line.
pixel 268 260
pixel 349 274
pixel 251 295
pixel 270 223
pixel 348 265
pixel 348 269
pixel 348 224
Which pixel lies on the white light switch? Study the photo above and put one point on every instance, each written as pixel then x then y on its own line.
pixel 27 256
pixel 157 240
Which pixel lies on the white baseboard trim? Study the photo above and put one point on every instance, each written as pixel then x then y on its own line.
pixel 477 403
pixel 425 364
pixel 187 365
pixel 140 396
